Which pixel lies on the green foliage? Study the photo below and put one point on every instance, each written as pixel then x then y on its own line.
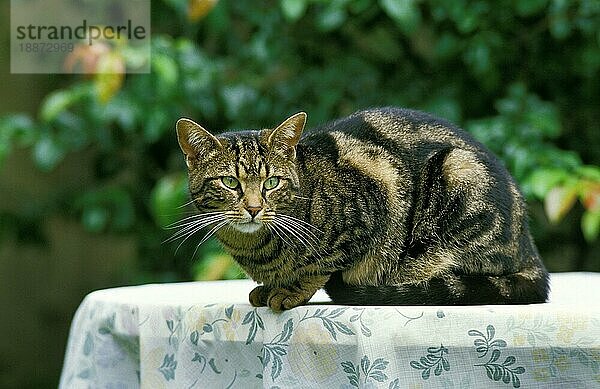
pixel 522 76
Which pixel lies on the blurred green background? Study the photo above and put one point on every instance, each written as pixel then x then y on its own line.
pixel 91 174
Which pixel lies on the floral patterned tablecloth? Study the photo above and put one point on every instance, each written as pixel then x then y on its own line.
pixel 206 335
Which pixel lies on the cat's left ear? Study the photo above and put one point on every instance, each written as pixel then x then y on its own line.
pixel 286 136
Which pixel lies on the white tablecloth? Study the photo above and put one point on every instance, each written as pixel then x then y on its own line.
pixel 206 335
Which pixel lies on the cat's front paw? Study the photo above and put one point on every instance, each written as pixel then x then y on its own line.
pixel 258 296
pixel 281 299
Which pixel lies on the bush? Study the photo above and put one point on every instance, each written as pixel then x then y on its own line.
pixel 522 76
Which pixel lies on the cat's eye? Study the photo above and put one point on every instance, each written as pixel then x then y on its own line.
pixel 230 182
pixel 271 183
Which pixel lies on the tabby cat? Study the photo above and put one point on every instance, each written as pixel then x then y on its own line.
pixel 387 206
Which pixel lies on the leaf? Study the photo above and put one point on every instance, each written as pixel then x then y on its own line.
pixel 489 372
pixel 213 366
pixel 364 364
pixel 248 318
pixel 509 361
pixel 251 333
pixel 260 322
pixel 336 312
pixel 194 336
pixel 85 374
pixel 344 329
pixel 491 331
pixel 58 101
pixel 475 333
pixel 495 356
pixel 95 218
pixel 88 345
pixel 379 364
pixel 266 357
pixel 170 325
pixel 293 9
pixel 329 327
pixel 378 376
pixel 416 365
pixel 276 368
pixel 516 382
pixel 229 311
pixel 479 342
pixel 497 373
pixel 166 73
pixel 559 201
pixel 445 364
pixel 207 328
pixel 438 369
pixel 197 9
pixel 590 225
pixel 278 350
pixel 331 17
pixel 348 367
pixel 519 370
pixel 506 376
pixel 288 329
pixel 498 343
pixel 395 384
pixel 48 152
pixel 110 74
pixel 426 373
pixel 405 13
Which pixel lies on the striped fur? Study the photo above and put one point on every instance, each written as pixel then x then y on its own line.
pixel 386 206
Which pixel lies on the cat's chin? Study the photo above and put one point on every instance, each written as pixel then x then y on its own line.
pixel 247 228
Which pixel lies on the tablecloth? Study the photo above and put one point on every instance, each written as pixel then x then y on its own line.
pixel 206 335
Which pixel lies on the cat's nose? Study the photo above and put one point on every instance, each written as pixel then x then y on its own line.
pixel 253 211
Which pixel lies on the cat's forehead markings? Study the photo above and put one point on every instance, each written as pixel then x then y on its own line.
pixel 249 157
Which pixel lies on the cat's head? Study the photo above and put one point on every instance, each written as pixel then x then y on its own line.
pixel 243 177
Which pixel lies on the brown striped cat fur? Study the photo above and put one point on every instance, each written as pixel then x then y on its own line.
pixel 387 206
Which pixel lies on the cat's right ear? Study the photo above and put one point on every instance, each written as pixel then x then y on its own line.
pixel 194 140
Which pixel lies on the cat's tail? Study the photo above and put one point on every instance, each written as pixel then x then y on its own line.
pixel 523 287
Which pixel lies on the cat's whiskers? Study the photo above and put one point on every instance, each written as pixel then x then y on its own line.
pixel 269 221
pixel 195 223
pixel 300 197
pixel 303 227
pixel 298 236
pixel 191 230
pixel 186 204
pixel 191 224
pixel 186 220
pixel 275 229
pixel 213 231
pixel 299 231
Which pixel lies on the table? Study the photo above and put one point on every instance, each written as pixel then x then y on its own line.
pixel 206 335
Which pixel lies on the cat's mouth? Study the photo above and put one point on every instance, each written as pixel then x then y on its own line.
pixel 248 227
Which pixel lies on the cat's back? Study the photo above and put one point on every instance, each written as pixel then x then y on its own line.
pixel 400 132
